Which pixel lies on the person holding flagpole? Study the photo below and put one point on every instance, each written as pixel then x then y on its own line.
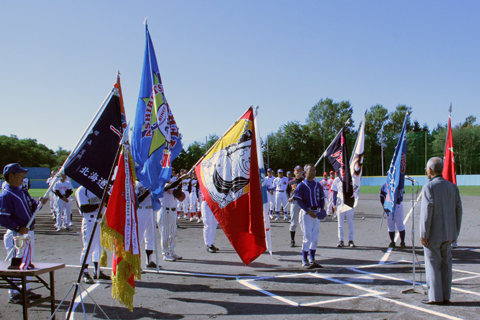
pixel 294 208
pixel 394 219
pixel 16 209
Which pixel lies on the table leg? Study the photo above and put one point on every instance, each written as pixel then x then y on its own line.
pixel 52 292
pixel 24 298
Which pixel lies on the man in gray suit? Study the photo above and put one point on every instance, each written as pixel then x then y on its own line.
pixel 440 221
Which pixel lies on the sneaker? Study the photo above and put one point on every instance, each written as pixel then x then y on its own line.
pixel 307 265
pixel 70 224
pixel 176 256
pixel 315 264
pixel 292 243
pixel 199 220
pixel 68 229
pixel 58 229
pixel 351 244
pixel 168 257
pixel 16 299
pixel 152 265
pixel 191 219
pixel 276 219
pixel 403 245
pixel 340 244
pixel 86 278
pixel 213 246
pixel 211 250
pixel 101 276
pixel 454 245
pixel 392 244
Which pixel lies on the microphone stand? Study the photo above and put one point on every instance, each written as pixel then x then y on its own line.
pixel 413 290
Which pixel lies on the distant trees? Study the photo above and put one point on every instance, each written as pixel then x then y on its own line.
pixel 27 152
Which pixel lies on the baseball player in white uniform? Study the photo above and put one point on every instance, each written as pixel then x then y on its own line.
pixel 394 219
pixel 210 224
pixel 280 184
pixel 294 207
pixel 270 192
pixel 63 189
pixel 193 191
pixel 342 211
pixel 51 195
pixel 167 218
pixel 185 204
pixel 145 222
pixel 88 205
pixel 330 194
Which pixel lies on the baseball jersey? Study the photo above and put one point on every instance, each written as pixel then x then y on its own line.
pixel 269 183
pixel 280 184
pixel 326 187
pixel 62 187
pixel 309 194
pixel 141 190
pixel 84 197
pixel 185 184
pixel 16 207
pixel 193 186
pixel 338 187
pixel 292 185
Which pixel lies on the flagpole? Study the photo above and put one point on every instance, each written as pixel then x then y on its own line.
pixel 325 152
pixel 200 160
pixel 40 205
pixel 99 213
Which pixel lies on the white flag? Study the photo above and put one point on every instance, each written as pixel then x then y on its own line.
pixel 356 162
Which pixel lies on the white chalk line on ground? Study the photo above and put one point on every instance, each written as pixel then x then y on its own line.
pixel 387 254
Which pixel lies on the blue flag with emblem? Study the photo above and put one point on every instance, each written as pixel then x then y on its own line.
pixel 396 172
pixel 156 141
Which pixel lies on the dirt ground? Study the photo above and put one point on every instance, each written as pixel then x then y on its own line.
pixel 356 283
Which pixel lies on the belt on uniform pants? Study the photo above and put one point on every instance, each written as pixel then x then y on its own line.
pixel 313 208
pixel 145 207
pixel 280 190
pixel 171 209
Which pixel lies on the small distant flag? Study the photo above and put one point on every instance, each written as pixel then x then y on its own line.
pixel 337 154
pixel 449 172
pixel 229 180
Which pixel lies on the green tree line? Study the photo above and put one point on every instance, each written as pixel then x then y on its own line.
pixel 297 144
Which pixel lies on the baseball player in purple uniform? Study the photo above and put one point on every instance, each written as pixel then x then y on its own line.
pixel 310 197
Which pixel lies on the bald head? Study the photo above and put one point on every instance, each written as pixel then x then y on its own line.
pixel 435 164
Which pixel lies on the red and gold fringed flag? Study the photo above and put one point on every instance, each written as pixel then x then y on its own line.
pixel 120 233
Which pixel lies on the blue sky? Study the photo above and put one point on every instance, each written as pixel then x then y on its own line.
pixel 58 61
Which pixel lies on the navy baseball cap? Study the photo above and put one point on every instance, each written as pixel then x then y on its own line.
pixel 280 170
pixel 288 172
pixel 13 168
pixel 269 170
pixel 298 168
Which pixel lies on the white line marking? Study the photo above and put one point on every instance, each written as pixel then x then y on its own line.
pixel 469 272
pixel 418 308
pixel 254 287
pixel 387 254
pixel 465 278
pixel 336 300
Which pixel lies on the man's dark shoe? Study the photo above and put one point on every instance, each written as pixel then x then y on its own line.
pixel 211 250
pixel 101 276
pixel 315 264
pixel 215 248
pixel 435 303
pixel 392 244
pixel 152 265
pixel 86 278
pixel 292 243
pixel 403 245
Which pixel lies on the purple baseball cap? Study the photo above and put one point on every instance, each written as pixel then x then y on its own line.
pixel 280 170
pixel 13 168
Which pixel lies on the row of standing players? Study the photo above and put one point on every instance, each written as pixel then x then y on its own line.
pixel 282 197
